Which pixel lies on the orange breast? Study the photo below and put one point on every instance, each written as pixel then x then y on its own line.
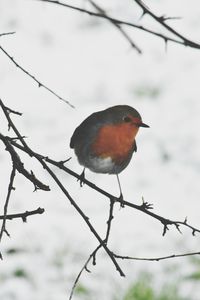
pixel 115 141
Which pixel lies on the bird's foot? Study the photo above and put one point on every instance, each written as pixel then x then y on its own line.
pixel 81 178
pixel 145 205
pixel 121 200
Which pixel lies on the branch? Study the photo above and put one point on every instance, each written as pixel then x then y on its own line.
pixel 9 110
pixel 161 20
pixel 81 213
pixel 40 84
pixel 19 166
pixel 93 254
pixel 7 33
pixel 24 215
pixel 25 147
pixel 127 37
pixel 156 258
pixel 81 271
pixel 144 207
pixel 130 24
pixel 10 188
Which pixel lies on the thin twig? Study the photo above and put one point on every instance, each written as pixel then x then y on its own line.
pixel 7 33
pixel 93 254
pixel 9 110
pixel 40 84
pixel 130 24
pixel 110 218
pixel 81 271
pixel 81 213
pixel 6 111
pixel 24 215
pixel 123 32
pixel 18 164
pixel 157 258
pixel 161 20
pixel 10 188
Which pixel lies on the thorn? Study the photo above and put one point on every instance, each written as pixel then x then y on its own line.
pixel 193 232
pixel 8 234
pixel 62 162
pixel 87 269
pixel 178 228
pixel 165 229
pixel 24 219
pixel 163 18
pixel 142 15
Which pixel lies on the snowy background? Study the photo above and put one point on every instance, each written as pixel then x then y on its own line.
pixel 88 62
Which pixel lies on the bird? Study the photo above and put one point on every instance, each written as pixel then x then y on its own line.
pixel 105 141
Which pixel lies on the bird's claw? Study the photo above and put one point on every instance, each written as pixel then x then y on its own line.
pixel 81 178
pixel 146 205
pixel 121 200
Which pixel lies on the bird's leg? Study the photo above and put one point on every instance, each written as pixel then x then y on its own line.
pixel 121 198
pixel 81 178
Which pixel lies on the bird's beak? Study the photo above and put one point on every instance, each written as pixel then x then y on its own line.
pixel 143 125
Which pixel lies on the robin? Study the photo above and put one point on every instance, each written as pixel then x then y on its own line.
pixel 105 141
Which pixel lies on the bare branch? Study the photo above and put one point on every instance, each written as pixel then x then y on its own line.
pixel 9 110
pixel 7 33
pixel 162 20
pixel 6 111
pixel 184 41
pixel 10 188
pixel 93 254
pixel 40 158
pixel 157 258
pixel 86 219
pixel 81 271
pixel 24 215
pixel 127 37
pixel 19 166
pixel 144 207
pixel 40 84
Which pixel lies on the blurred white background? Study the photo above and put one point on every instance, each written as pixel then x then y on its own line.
pixel 88 62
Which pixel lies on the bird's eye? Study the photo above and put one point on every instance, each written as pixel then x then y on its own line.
pixel 127 119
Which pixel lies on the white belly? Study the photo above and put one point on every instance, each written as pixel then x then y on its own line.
pixel 102 165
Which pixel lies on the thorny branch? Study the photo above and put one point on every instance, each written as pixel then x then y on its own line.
pixel 93 254
pixel 10 188
pixel 40 84
pixel 19 166
pixel 41 159
pixel 123 32
pixel 157 258
pixel 145 207
pixel 180 39
pixel 24 215
pixel 162 21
